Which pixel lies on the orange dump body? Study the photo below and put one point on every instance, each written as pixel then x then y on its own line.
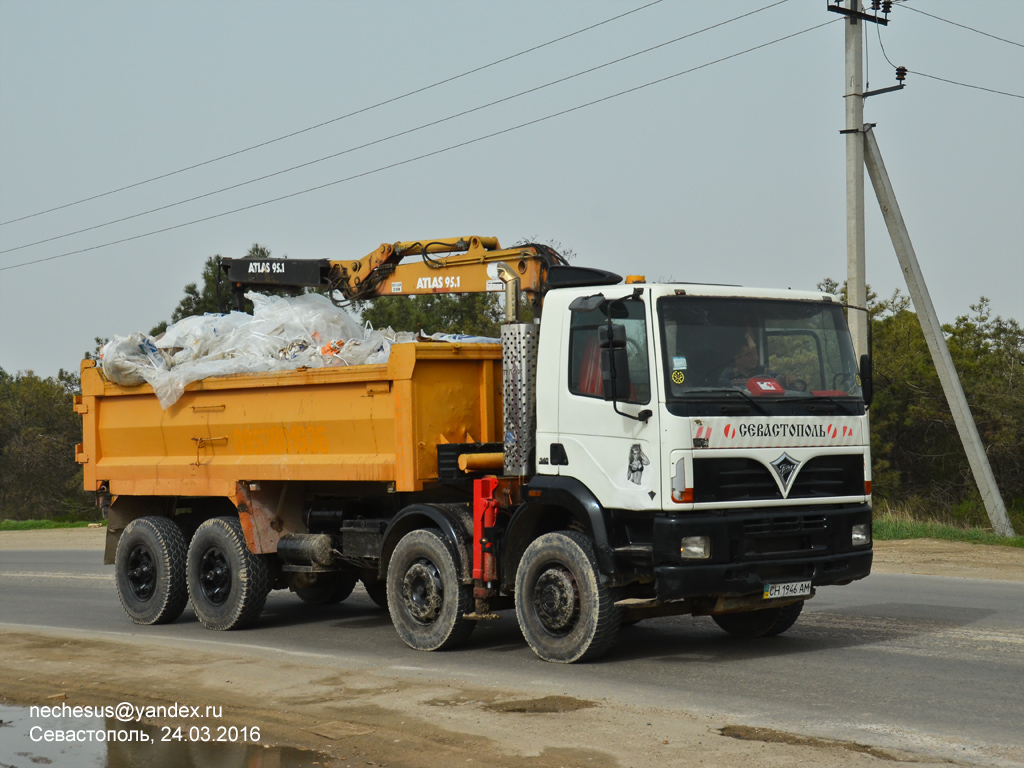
pixel 377 423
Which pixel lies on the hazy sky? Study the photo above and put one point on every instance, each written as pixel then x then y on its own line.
pixel 733 173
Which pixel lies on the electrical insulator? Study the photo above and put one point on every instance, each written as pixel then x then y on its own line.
pixel 901 74
pixel 876 5
pixel 887 7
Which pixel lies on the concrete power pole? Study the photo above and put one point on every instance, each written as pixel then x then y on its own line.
pixel 861 149
pixel 856 286
pixel 926 314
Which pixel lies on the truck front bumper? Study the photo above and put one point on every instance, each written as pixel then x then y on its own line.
pixel 753 548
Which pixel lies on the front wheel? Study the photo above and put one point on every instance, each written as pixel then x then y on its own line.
pixel 425 598
pixel 565 612
pixel 763 623
pixel 150 570
pixel 228 584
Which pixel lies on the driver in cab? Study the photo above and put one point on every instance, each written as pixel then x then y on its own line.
pixel 746 364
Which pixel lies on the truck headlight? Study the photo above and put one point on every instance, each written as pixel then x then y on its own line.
pixel 860 535
pixel 695 548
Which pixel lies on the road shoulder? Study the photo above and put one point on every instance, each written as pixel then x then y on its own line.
pixel 395 716
pixel 392 716
pixel 958 559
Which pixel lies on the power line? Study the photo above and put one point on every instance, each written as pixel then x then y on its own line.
pixel 964 26
pixel 965 85
pixel 878 30
pixel 336 119
pixel 426 154
pixel 394 135
pixel 943 79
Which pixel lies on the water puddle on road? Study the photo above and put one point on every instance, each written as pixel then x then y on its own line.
pixel 98 742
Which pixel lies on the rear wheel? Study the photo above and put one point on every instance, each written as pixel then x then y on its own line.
pixel 327 588
pixel 150 570
pixel 565 612
pixel 228 584
pixel 763 623
pixel 424 596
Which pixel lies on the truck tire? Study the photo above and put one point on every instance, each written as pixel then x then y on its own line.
pixel 228 584
pixel 149 570
pixel 328 589
pixel 425 598
pixel 763 623
pixel 377 589
pixel 565 612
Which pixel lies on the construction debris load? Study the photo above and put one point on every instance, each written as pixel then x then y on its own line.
pixel 282 333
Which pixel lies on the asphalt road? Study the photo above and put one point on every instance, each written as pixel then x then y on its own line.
pixel 924 663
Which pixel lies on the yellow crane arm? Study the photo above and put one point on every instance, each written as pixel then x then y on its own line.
pixel 449 265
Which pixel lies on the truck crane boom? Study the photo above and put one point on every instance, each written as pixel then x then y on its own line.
pixel 446 265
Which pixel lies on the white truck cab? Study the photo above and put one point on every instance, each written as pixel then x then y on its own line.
pixel 735 455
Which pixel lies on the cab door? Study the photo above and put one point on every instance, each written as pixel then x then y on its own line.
pixel 603 443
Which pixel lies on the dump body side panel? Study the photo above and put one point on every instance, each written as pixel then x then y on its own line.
pixel 361 423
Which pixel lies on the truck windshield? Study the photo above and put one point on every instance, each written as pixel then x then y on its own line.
pixel 772 350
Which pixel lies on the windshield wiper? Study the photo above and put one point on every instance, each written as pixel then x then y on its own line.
pixel 730 391
pixel 825 400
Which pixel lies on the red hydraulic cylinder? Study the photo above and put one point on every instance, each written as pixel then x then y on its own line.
pixel 485 515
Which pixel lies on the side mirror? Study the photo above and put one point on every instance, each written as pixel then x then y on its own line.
pixel 586 303
pixel 614 362
pixel 867 386
pixel 611 336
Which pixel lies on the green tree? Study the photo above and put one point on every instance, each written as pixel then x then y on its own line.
pixel 215 294
pixel 828 285
pixel 39 478
pixel 917 454
pixel 478 314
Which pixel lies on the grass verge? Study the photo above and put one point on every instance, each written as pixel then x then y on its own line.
pixel 38 525
pixel 888 526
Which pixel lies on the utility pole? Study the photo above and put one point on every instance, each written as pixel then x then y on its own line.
pixel 932 328
pixel 856 285
pixel 854 95
pixel 861 150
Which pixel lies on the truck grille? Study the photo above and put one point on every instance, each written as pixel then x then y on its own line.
pixel 830 476
pixel 741 479
pixel 781 535
pixel 775 526
pixel 732 480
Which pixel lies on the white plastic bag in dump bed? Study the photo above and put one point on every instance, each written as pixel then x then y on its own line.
pixel 282 333
pixel 127 359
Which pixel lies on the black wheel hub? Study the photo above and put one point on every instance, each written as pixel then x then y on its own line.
pixel 141 573
pixel 215 576
pixel 422 591
pixel 557 600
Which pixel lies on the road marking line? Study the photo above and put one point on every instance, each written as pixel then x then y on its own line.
pixel 55 575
